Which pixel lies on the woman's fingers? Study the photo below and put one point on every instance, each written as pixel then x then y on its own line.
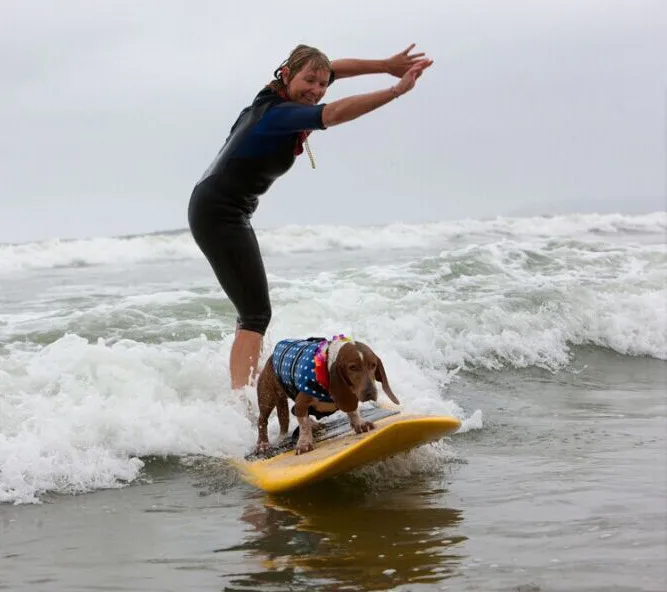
pixel 421 65
pixel 409 79
pixel 407 50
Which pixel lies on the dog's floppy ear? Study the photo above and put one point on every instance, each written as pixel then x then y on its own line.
pixel 381 376
pixel 340 390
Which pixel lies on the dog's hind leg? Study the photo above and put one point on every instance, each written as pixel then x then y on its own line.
pixel 262 429
pixel 282 410
pixel 266 401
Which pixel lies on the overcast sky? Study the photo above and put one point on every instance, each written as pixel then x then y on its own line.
pixel 110 110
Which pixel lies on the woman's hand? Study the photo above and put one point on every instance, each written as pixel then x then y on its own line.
pixel 350 108
pixel 409 79
pixel 400 63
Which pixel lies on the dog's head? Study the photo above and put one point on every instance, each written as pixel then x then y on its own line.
pixel 354 369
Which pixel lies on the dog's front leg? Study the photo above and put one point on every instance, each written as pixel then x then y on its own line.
pixel 358 424
pixel 305 443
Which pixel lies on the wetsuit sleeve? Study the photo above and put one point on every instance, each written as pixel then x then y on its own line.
pixel 289 118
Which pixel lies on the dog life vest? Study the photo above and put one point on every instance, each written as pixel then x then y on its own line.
pixel 300 365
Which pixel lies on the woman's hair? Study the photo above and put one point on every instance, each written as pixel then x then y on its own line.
pixel 298 58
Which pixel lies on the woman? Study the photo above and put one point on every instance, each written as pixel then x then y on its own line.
pixel 262 145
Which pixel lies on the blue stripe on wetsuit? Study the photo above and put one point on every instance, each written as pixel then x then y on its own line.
pixel 259 149
pixel 276 128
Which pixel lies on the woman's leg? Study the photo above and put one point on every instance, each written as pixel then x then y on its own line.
pixel 244 357
pixel 231 247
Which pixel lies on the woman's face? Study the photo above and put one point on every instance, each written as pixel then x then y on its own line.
pixel 308 85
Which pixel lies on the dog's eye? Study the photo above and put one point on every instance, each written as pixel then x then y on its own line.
pixel 354 368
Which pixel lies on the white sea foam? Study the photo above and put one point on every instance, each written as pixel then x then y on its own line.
pixel 76 415
pixel 293 239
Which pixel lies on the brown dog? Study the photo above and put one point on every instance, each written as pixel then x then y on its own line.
pixel 321 377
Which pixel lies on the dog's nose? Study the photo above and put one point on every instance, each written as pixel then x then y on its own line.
pixel 370 395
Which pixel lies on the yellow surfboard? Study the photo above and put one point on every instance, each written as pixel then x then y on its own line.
pixel 337 452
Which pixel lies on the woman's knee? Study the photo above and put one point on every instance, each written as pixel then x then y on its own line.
pixel 255 321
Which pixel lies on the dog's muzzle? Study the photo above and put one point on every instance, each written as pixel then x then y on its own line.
pixel 370 394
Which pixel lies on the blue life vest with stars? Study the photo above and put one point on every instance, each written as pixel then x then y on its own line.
pixel 294 365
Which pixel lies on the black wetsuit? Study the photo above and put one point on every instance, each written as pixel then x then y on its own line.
pixel 261 146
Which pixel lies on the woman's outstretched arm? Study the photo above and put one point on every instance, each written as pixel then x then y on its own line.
pixel 397 65
pixel 350 108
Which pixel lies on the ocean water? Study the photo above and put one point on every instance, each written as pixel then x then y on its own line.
pixel 546 336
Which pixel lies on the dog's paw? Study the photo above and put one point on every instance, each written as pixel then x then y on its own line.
pixel 303 446
pixel 364 426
